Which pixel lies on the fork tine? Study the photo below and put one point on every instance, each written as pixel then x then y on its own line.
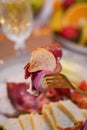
pixel 54 80
pixel 51 75
pixel 54 86
pixel 58 84
pixel 58 80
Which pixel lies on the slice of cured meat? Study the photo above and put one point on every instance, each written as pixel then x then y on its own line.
pixel 20 98
pixel 55 49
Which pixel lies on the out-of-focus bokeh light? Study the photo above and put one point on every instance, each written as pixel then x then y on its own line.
pixel 1 62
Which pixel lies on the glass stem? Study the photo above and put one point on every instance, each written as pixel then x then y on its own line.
pixel 20 48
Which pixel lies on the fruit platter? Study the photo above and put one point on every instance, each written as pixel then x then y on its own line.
pixel 27 103
pixel 69 24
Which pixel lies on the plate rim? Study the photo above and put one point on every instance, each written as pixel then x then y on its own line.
pixel 71 45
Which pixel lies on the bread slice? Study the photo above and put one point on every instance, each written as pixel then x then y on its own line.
pixel 12 124
pixel 25 121
pixel 61 119
pixel 71 110
pixel 42 59
pixel 39 122
pixel 46 113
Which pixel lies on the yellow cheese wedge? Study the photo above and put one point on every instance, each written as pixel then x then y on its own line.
pixel 25 121
pixel 12 124
pixel 71 110
pixel 61 119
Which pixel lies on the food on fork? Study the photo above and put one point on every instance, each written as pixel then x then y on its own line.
pixel 42 59
pixel 45 59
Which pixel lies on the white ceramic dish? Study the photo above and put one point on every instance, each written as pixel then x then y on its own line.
pixel 72 46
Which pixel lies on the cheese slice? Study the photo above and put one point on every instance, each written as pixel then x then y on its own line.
pixel 12 124
pixel 39 122
pixel 61 119
pixel 25 121
pixel 72 110
pixel 48 116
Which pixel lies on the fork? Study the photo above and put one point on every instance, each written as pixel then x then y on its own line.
pixel 59 80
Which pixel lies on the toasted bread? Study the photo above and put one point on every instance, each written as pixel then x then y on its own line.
pixel 42 59
pixel 71 110
pixel 61 119
pixel 12 124
pixel 25 121
pixel 46 113
pixel 39 122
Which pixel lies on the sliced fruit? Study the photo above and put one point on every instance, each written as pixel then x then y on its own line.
pixel 83 38
pixel 56 20
pixel 75 15
pixel 70 33
pixel 67 3
pixel 57 4
pixel 42 59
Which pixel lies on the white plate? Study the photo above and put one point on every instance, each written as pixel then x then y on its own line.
pixel 13 69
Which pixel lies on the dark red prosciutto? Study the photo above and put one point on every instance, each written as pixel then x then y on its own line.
pixel 56 49
pixel 22 100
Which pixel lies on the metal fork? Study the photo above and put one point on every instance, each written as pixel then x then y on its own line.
pixel 58 80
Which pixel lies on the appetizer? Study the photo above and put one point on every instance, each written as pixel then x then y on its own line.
pixel 55 108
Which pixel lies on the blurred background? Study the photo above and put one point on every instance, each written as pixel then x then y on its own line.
pixel 63 21
pixel 28 24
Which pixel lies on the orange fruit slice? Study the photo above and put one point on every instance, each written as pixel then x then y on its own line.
pixel 75 15
pixel 57 4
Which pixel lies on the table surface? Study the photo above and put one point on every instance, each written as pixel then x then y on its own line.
pixel 34 41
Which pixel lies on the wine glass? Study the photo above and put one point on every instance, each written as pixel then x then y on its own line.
pixel 17 22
